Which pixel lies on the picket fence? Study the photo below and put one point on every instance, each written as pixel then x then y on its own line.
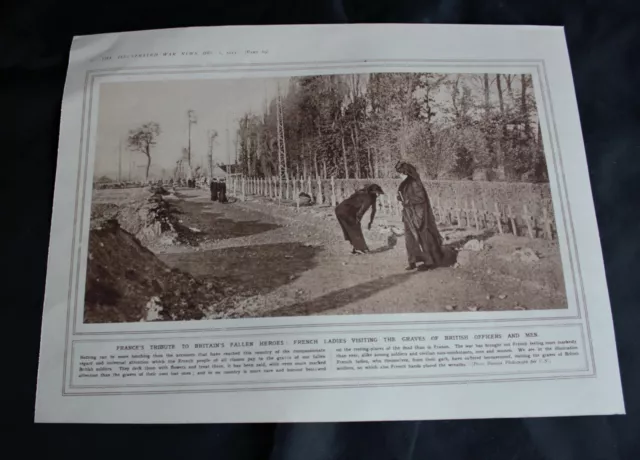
pixel 523 209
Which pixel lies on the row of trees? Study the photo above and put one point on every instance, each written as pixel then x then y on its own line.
pixel 455 126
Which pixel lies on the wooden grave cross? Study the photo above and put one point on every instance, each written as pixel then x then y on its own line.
pixel 512 220
pixel 498 217
pixel 529 221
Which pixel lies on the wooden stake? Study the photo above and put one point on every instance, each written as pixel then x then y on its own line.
pixel 333 192
pixel 465 209
pixel 512 220
pixel 498 217
pixel 475 214
pixel 527 218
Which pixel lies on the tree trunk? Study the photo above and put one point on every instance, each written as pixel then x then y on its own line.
pixel 305 171
pixel 146 174
pixel 356 156
pixel 371 172
pixel 523 94
pixel 257 155
pixel 524 108
pixel 500 96
pixel 487 120
pixel 503 126
pixel 344 157
pixel 315 162
pixel 509 80
pixel 486 93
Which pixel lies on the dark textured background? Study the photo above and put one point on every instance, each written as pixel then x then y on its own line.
pixel 35 36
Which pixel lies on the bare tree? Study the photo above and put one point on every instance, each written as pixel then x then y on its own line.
pixel 142 138
pixel 192 120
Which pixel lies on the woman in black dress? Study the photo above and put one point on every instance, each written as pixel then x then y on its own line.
pixel 351 211
pixel 213 187
pixel 422 238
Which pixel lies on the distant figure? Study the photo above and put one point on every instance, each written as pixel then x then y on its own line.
pixel 222 191
pixel 213 187
pixel 350 213
pixel 422 238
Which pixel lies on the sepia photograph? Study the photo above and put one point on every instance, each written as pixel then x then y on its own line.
pixel 350 194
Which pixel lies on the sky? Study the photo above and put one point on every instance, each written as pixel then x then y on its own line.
pixel 217 104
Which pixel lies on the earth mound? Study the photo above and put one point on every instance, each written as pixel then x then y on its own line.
pixel 127 282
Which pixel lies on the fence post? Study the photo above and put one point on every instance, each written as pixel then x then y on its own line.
pixel 514 229
pixel 458 213
pixel 475 214
pixel 527 218
pixel 310 188
pixel 465 210
pixel 320 194
pixel 294 191
pixel 498 217
pixel 333 191
pixel 243 189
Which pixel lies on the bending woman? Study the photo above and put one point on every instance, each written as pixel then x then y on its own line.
pixel 351 211
pixel 422 238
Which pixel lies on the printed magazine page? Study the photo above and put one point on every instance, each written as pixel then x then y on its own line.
pixel 323 223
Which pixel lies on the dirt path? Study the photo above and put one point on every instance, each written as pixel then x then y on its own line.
pixel 286 262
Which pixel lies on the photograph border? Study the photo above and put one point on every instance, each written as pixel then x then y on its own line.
pixel 549 130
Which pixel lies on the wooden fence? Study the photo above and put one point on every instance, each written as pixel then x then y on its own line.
pixel 522 209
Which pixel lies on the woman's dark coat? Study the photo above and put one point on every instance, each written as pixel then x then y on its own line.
pixel 213 187
pixel 351 211
pixel 422 238
pixel 222 192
